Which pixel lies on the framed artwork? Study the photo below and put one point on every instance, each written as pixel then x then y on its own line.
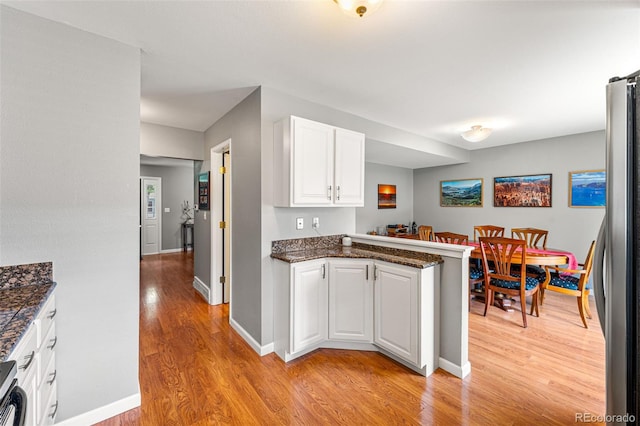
pixel 203 191
pixel 386 196
pixel 587 188
pixel 461 193
pixel 522 191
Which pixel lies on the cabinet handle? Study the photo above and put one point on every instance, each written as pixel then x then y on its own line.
pixel 53 379
pixel 338 192
pixel 53 345
pixel 367 274
pixel 55 410
pixel 324 271
pixel 375 272
pixel 31 357
pixel 329 192
pixel 52 313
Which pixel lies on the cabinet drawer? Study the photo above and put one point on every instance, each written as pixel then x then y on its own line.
pixel 25 354
pixel 46 318
pixel 46 353
pixel 48 398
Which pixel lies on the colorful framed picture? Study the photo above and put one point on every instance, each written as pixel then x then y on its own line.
pixel 386 196
pixel 587 188
pixel 522 191
pixel 203 191
pixel 461 193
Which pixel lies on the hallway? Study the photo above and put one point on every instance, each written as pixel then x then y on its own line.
pixel 195 370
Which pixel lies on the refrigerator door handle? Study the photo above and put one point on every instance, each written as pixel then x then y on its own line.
pixel 598 275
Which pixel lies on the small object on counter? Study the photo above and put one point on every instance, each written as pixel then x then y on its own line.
pixel 346 241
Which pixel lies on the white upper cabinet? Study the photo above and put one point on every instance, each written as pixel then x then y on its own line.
pixel 317 165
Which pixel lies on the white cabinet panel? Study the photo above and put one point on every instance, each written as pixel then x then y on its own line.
pixel 349 168
pixel 350 300
pixel 396 310
pixel 313 145
pixel 309 305
pixel 317 165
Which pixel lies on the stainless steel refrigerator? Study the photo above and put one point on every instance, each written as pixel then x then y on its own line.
pixel 617 263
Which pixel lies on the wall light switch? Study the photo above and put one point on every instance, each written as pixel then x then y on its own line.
pixel 205 215
pixel 299 223
pixel 315 222
pixel 167 210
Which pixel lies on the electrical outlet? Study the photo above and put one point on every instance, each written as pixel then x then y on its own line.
pixel 299 223
pixel 315 222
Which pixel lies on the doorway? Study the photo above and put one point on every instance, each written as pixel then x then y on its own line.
pixel 221 229
pixel 150 217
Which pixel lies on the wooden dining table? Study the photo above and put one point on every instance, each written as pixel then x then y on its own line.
pixel 538 257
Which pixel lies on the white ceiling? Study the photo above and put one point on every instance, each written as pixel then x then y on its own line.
pixel 529 69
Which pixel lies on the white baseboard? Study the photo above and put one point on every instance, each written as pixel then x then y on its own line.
pixel 261 350
pixel 174 250
pixel 202 288
pixel 456 370
pixel 103 413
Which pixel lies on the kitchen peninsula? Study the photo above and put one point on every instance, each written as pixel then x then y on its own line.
pixel 407 299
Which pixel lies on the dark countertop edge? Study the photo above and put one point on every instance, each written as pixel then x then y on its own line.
pixel 304 255
pixel 6 347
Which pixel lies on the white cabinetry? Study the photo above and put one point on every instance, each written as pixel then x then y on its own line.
pixel 35 356
pixel 405 312
pixel 351 300
pixel 317 165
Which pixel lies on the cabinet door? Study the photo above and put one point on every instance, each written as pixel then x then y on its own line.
pixel 312 173
pixel 349 168
pixel 309 295
pixel 350 300
pixel 396 310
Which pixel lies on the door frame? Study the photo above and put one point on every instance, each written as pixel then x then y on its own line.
pixel 217 212
pixel 142 212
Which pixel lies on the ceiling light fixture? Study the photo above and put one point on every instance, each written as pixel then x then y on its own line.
pixel 476 134
pixel 358 7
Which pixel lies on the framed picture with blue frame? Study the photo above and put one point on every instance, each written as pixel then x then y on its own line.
pixel 587 188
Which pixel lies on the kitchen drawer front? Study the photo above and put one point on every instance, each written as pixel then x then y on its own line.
pixel 47 392
pixel 46 318
pixel 26 354
pixel 47 351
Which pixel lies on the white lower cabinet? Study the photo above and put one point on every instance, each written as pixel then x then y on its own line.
pixel 351 300
pixel 35 357
pixel 357 304
pixel 396 310
pixel 308 305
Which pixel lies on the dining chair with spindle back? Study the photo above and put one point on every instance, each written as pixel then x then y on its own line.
pixel 573 282
pixel 425 232
pixel 508 273
pixel 475 273
pixel 537 239
pixel 487 231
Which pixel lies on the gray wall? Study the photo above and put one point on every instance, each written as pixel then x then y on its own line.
pixel 177 186
pixel 569 228
pixel 242 125
pixel 69 164
pixel 369 217
pixel 165 141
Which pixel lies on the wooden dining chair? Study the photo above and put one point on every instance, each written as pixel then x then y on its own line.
pixel 574 283
pixel 508 273
pixel 475 273
pixel 487 231
pixel 425 232
pixel 534 238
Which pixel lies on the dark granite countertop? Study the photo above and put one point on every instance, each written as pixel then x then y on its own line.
pixel 362 251
pixel 24 290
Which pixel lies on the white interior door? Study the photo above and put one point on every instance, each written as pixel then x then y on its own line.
pixel 150 192
pixel 226 162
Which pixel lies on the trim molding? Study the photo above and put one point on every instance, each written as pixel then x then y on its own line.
pixel 104 412
pixel 456 370
pixel 261 350
pixel 201 288
pixel 173 250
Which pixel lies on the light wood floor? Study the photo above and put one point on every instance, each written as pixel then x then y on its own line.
pixel 195 370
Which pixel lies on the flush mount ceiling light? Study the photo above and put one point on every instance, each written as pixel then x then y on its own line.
pixel 476 134
pixel 358 7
